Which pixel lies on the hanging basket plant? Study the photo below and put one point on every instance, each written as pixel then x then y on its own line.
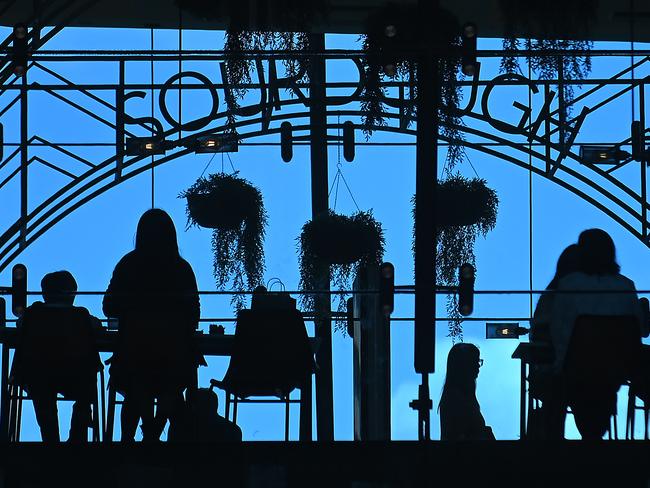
pixel 234 209
pixel 344 244
pixel 465 209
pixel 389 46
pixel 555 25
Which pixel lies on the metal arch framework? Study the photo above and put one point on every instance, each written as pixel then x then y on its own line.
pixel 539 133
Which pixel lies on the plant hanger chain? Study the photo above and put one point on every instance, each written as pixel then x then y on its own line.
pixel 338 177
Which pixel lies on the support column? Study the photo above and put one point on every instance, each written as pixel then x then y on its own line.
pixel 425 194
pixel 319 206
pixel 24 159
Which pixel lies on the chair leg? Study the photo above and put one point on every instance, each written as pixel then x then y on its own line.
pixel 102 397
pixel 286 418
pixel 234 409
pixel 646 417
pixel 11 434
pixel 631 411
pixel 227 395
pixel 19 413
pixel 110 415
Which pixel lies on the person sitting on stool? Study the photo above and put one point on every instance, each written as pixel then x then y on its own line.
pixel 56 353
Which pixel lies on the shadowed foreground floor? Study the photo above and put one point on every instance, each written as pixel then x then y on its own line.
pixel 338 464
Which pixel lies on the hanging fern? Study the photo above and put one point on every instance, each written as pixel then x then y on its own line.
pixel 343 244
pixel 555 24
pixel 465 208
pixel 392 58
pixel 233 207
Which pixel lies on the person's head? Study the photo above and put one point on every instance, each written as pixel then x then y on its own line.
pixel 463 363
pixel 567 263
pixel 156 233
pixel 59 288
pixel 597 253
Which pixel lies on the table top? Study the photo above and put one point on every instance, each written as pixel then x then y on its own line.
pixel 534 352
pixel 208 344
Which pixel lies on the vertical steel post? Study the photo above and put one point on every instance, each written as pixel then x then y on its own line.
pixel 24 159
pixel 425 195
pixel 4 381
pixel 644 162
pixel 319 206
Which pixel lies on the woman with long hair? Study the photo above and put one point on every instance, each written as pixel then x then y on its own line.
pixel 153 294
pixel 598 290
pixel 460 413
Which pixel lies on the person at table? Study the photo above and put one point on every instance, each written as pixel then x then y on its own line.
pixel 460 413
pixel 567 263
pixel 544 383
pixel 153 294
pixel 598 277
pixel 56 354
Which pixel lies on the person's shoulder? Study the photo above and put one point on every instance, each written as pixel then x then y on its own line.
pixel 624 281
pixel 572 280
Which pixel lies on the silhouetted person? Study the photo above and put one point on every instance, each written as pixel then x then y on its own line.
pixel 545 383
pixel 460 413
pixel 202 422
pixel 56 353
pixel 598 277
pixel 153 294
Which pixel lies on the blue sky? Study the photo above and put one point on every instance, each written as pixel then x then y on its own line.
pixel 92 239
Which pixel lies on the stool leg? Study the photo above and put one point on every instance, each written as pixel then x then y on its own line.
pixel 646 415
pixel 19 413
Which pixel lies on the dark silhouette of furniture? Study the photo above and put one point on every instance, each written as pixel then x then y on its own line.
pixel 603 354
pixel 271 357
pixel 56 352
pixel 639 387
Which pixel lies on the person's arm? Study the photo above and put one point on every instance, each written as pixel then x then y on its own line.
pixel 113 305
pixel 191 300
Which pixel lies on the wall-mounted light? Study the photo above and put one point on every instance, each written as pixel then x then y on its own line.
pixel 468 48
pixel 603 154
pixel 504 330
pixel 215 143
pixel 19 53
pixel 141 146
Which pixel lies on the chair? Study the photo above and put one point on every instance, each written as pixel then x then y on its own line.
pixel 639 387
pixel 271 357
pixel 56 349
pixel 603 354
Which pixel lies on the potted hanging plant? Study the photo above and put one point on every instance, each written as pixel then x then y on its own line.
pixel 234 209
pixel 343 243
pixel 389 44
pixel 555 25
pixel 465 209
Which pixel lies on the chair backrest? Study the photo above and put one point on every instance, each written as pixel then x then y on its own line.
pixel 271 353
pixel 56 343
pixel 603 349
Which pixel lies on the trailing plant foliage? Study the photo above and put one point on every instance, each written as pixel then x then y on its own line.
pixel 466 208
pixel 556 24
pixel 341 244
pixel 392 57
pixel 233 207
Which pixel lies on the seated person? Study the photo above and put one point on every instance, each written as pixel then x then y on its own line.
pixel 202 422
pixel 56 353
pixel 460 413
pixel 544 383
pixel 602 283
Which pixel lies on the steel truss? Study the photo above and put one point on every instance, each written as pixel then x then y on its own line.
pixel 540 141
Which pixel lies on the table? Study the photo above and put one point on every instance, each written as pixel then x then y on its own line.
pixel 208 345
pixel 529 353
